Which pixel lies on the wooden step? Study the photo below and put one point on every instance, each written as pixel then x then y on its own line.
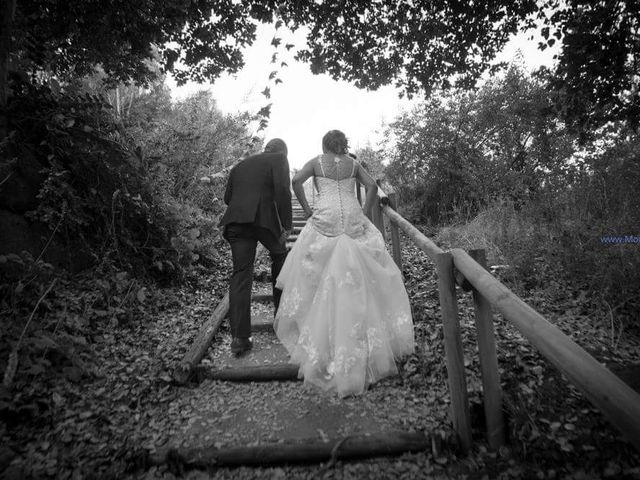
pixel 262 320
pixel 262 298
pixel 260 373
pixel 305 451
pixel 262 327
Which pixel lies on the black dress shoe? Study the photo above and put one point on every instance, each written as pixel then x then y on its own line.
pixel 240 345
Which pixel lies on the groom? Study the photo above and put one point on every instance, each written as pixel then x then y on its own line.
pixel 258 199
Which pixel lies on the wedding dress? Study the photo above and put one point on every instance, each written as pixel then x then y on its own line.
pixel 344 315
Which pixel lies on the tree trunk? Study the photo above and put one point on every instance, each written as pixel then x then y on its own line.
pixel 7 10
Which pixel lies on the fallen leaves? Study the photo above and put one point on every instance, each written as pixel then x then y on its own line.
pixel 90 397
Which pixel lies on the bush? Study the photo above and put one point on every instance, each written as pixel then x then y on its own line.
pixel 94 194
pixel 511 237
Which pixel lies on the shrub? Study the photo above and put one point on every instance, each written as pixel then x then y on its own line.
pixel 93 192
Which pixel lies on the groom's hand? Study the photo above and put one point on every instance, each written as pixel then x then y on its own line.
pixel 284 235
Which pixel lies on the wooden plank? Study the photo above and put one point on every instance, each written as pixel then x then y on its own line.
pixel 396 249
pixel 615 399
pixel 262 297
pixel 310 451
pixel 261 373
pixel 422 242
pixel 202 342
pixel 492 391
pixel 453 350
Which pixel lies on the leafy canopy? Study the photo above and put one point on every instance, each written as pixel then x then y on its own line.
pixel 419 46
pixel 598 69
pixel 122 36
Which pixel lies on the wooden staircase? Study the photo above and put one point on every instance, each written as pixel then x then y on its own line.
pixel 368 432
pixel 299 221
pixel 268 362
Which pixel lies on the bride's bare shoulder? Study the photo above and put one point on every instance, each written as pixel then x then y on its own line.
pixel 308 170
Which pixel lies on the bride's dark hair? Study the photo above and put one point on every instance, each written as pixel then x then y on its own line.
pixel 335 141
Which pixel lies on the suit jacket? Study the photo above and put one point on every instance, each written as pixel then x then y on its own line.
pixel 258 192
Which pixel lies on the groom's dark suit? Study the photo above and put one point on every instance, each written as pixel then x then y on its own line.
pixel 258 196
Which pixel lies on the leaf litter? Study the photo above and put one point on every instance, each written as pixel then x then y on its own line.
pixel 98 420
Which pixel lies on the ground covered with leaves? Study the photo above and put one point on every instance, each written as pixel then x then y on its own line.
pixel 92 394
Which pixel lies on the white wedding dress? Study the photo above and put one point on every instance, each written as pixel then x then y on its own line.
pixel 344 315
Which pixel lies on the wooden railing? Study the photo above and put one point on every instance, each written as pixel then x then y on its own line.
pixel 614 398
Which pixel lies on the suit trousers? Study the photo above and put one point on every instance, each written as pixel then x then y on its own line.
pixel 244 238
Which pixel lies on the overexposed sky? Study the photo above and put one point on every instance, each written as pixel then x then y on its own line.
pixel 306 106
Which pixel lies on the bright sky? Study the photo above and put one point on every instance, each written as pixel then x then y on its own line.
pixel 306 106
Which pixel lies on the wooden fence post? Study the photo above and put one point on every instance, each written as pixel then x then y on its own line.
pixel 378 219
pixel 492 392
pixel 453 349
pixel 395 233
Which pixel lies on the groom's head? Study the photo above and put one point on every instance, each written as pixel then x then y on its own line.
pixel 276 145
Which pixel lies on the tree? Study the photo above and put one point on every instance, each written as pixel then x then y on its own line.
pixel 465 150
pixel 371 159
pixel 419 46
pixel 7 10
pixel 598 71
pixel 422 47
pixel 122 36
pixel 185 141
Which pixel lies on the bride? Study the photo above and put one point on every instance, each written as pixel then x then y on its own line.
pixel 344 316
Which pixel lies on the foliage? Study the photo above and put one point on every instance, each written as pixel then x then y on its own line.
pixel 602 202
pixel 205 37
pixel 598 70
pixel 457 153
pixel 93 193
pixel 372 160
pixel 122 165
pixel 421 46
pixel 558 237
pixel 189 140
pixel 497 169
pixel 85 375
pixel 180 144
pixel 106 397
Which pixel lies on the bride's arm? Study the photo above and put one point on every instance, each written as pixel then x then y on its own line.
pixel 298 180
pixel 371 187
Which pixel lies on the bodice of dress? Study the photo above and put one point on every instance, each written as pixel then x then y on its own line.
pixel 337 210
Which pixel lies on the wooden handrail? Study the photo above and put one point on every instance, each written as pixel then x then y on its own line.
pixel 423 242
pixel 617 401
